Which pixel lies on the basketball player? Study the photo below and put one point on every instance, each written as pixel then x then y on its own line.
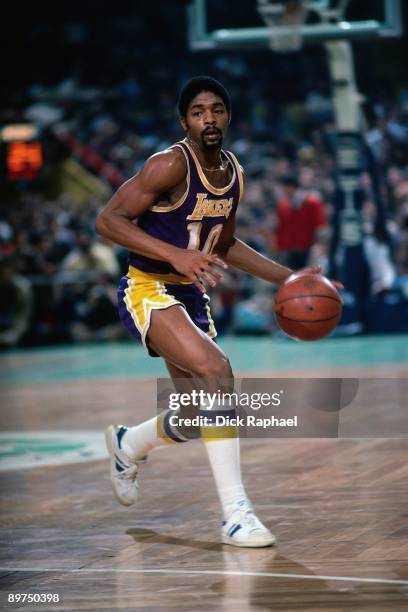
pixel 177 219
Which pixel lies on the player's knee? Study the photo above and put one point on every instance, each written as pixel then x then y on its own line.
pixel 213 367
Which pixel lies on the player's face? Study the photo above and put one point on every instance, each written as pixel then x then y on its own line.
pixel 207 120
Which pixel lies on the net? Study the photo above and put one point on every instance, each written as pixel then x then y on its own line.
pixel 285 20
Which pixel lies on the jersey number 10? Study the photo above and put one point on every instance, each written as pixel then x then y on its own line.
pixel 194 230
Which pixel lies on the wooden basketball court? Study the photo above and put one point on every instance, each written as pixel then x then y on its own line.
pixel 337 507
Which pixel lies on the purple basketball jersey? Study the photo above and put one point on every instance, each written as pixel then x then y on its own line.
pixel 195 221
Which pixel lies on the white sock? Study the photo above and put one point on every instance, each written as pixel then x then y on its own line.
pixel 140 440
pixel 224 458
pixel 225 464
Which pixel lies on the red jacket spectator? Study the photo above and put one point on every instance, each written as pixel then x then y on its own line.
pixel 297 225
pixel 300 216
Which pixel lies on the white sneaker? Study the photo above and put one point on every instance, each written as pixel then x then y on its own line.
pixel 123 469
pixel 243 528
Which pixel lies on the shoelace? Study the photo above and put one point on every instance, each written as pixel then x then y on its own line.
pixel 129 473
pixel 248 518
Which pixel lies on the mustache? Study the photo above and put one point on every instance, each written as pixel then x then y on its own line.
pixel 211 130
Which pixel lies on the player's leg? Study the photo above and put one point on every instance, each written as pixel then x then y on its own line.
pixel 191 357
pixel 201 363
pixel 169 331
pixel 173 336
pixel 141 439
pixel 188 352
pixel 128 446
pixel 222 447
pixel 138 295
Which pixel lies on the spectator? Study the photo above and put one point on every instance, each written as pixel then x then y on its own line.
pixel 91 256
pixel 97 314
pixel 15 304
pixel 301 219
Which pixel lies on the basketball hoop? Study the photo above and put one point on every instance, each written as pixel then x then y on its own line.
pixel 285 20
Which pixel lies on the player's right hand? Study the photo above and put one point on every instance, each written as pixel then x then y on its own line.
pixel 198 267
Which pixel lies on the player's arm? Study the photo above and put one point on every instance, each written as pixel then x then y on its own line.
pixel 245 258
pixel 238 254
pixel 159 175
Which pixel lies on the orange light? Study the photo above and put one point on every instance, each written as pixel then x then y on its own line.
pixel 24 160
pixel 17 132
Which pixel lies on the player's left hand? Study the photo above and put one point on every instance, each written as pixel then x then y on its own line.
pixel 318 270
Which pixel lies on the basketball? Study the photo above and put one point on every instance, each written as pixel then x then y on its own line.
pixel 307 306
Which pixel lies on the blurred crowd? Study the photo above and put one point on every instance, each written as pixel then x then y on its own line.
pixel 58 278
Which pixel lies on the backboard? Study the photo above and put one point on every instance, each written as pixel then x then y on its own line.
pixel 321 20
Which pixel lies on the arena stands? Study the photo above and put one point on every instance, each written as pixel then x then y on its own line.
pixel 108 113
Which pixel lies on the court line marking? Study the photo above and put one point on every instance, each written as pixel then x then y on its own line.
pixel 205 572
pixel 90 446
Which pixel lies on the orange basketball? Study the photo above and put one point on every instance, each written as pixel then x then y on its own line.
pixel 307 306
